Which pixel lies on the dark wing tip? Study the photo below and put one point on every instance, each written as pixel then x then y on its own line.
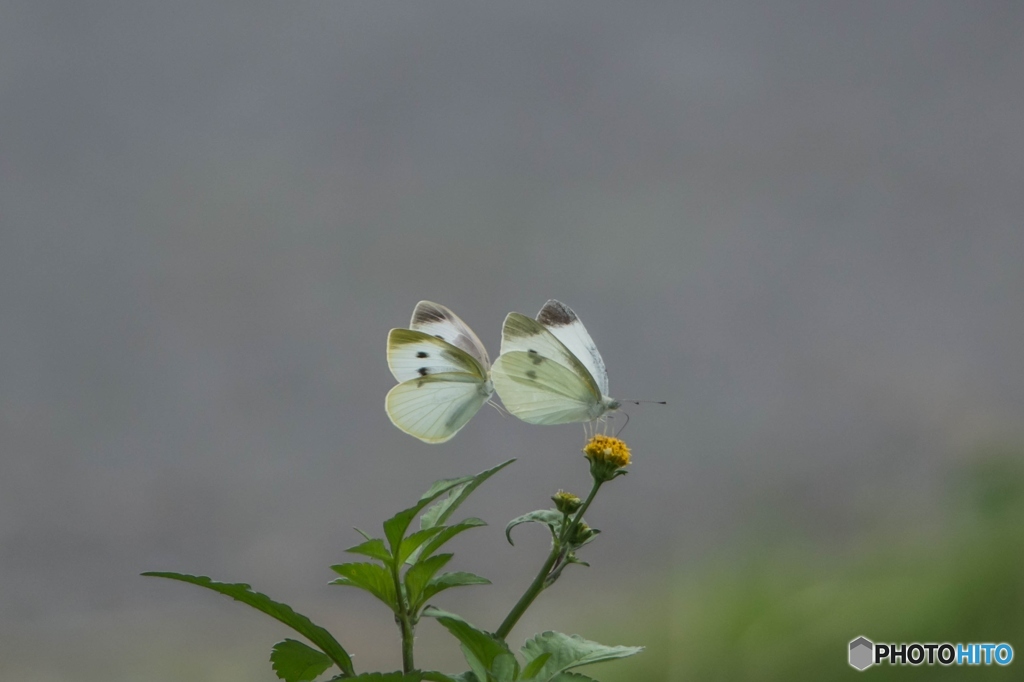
pixel 426 312
pixel 556 314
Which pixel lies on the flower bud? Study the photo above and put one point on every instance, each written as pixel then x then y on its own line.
pixel 567 503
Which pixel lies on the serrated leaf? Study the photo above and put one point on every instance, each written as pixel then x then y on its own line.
pixel 295 662
pixel 440 512
pixel 417 577
pixel 373 548
pixel 534 666
pixel 552 518
pixel 570 651
pixel 282 612
pixel 413 542
pixel 373 578
pixel 480 648
pixel 444 536
pixel 454 579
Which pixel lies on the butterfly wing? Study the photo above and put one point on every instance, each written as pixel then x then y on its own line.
pixel 561 321
pixel 435 407
pixel 437 320
pixel 539 379
pixel 413 354
pixel 539 390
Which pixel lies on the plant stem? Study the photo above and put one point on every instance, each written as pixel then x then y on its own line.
pixel 408 641
pixel 558 550
pixel 404 620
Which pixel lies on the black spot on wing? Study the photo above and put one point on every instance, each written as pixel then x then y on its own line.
pixel 423 371
pixel 422 354
pixel 535 357
pixel 532 374
pixel 555 314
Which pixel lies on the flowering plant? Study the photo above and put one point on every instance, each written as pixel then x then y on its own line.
pixel 404 572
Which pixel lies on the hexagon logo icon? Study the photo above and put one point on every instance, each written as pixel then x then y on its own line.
pixel 862 652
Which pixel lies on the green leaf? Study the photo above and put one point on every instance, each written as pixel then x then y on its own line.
pixel 417 577
pixel 447 580
pixel 534 666
pixel 446 534
pixel 395 527
pixel 414 676
pixel 374 579
pixel 505 668
pixel 552 518
pixel 570 651
pixel 375 549
pixel 481 648
pixel 282 612
pixel 413 542
pixel 467 676
pixel 571 677
pixel 295 662
pixel 434 676
pixel 457 494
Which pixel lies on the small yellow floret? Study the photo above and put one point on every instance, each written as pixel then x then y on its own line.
pixel 607 449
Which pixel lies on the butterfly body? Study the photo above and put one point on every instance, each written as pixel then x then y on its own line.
pixel 549 370
pixel 444 373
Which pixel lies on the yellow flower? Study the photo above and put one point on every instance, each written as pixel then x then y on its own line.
pixel 607 449
pixel 608 457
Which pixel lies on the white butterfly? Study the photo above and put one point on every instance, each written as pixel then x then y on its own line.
pixel 549 370
pixel 443 370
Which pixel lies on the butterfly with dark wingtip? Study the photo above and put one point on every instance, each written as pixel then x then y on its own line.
pixel 443 369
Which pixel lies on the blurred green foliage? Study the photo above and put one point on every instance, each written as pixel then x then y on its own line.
pixel 784 614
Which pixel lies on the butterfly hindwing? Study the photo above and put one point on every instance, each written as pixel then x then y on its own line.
pixel 540 390
pixel 434 408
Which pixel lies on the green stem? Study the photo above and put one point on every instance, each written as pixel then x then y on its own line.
pixel 405 624
pixel 408 640
pixel 558 550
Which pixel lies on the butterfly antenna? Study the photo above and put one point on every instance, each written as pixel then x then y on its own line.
pixel 638 402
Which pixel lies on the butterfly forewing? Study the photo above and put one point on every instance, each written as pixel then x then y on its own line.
pixel 520 333
pixel 413 354
pixel 437 320
pixel 561 321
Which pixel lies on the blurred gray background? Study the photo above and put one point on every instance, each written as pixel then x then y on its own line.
pixel 797 222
